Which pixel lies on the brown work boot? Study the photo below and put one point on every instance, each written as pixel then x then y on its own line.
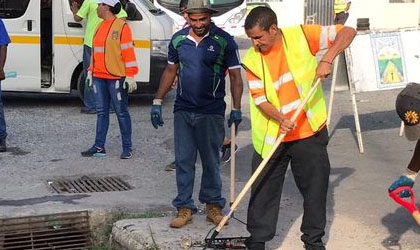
pixel 183 218
pixel 214 213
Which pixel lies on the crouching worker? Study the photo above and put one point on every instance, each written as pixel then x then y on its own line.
pixel 408 109
pixel 111 73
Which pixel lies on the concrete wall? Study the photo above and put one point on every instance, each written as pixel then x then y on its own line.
pixel 385 15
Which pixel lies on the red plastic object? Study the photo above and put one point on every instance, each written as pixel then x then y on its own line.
pixel 409 204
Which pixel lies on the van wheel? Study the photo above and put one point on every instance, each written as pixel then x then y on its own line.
pixel 80 85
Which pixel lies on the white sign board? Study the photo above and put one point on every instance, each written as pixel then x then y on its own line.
pixel 380 60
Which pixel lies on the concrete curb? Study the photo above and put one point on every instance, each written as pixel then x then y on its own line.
pixel 154 233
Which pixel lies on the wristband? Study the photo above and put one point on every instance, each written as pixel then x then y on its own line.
pixel 410 174
pixel 326 62
pixel 157 102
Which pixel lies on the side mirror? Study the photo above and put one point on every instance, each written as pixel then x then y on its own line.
pixel 132 13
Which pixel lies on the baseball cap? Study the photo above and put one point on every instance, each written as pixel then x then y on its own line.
pixel 199 6
pixel 408 109
pixel 111 3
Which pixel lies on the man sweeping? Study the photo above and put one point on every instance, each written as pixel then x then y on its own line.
pixel 281 68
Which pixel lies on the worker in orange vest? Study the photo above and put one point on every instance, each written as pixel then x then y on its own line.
pixel 111 74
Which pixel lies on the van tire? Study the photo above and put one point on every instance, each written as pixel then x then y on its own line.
pixel 80 85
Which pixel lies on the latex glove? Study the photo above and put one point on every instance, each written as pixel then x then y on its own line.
pixel 156 113
pixel 89 81
pixel 407 179
pixel 130 84
pixel 235 117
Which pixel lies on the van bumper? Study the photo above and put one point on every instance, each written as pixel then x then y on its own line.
pixel 158 62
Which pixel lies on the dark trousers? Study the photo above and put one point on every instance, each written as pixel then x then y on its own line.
pixel 311 168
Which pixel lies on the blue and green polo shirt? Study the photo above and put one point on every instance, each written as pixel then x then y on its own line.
pixel 202 69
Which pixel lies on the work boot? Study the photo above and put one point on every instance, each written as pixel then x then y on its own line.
pixel 183 218
pixel 214 214
pixel 3 145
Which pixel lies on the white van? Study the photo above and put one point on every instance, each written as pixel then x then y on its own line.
pixel 47 45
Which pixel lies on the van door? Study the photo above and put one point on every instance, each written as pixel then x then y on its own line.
pixel 68 45
pixel 22 21
pixel 138 11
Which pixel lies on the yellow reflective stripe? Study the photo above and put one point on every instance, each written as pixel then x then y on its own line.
pixel 126 46
pixel 270 140
pixel 68 40
pixel 26 39
pixel 332 32
pixel 260 100
pixel 290 107
pixel 255 84
pixel 285 78
pixel 141 44
pixel 309 114
pixel 98 49
pixel 131 64
pixel 323 41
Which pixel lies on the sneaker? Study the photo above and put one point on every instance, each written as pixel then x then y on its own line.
pixel 126 155
pixel 183 218
pixel 94 151
pixel 214 214
pixel 170 166
pixel 3 147
pixel 226 152
pixel 85 110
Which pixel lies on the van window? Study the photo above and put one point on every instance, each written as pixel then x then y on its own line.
pixel 222 6
pixel 13 8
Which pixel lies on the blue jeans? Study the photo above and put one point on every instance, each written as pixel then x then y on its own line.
pixel 203 133
pixel 88 95
pixel 111 91
pixel 3 133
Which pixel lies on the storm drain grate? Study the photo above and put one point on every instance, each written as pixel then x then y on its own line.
pixel 88 184
pixel 69 231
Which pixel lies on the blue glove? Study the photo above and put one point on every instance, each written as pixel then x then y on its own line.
pixel 235 117
pixel 402 181
pixel 156 116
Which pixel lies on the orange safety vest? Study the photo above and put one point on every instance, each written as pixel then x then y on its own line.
pixel 107 56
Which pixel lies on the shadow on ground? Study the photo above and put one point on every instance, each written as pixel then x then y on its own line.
pixel 397 224
pixel 65 199
pixel 369 122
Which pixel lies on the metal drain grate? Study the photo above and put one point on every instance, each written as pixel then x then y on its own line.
pixel 88 184
pixel 69 231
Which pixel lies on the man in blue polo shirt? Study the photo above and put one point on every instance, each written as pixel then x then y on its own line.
pixel 4 41
pixel 201 53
